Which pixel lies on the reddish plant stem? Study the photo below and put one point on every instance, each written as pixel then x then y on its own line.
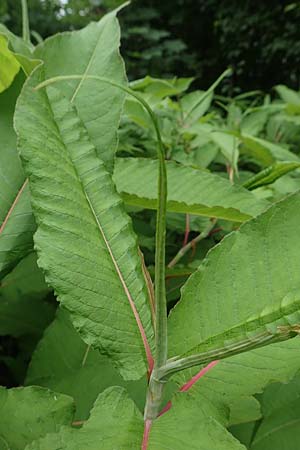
pixel 189 384
pixel 147 428
pixel 187 229
pixel 14 204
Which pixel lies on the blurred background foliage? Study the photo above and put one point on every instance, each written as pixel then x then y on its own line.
pixel 260 40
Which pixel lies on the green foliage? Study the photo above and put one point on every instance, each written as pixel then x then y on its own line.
pixel 90 202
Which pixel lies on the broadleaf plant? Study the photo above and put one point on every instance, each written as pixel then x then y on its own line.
pixel 121 365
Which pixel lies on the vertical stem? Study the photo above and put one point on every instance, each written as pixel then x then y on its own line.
pixel 25 22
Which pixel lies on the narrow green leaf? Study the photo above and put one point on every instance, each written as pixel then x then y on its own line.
pixel 199 192
pixel 30 413
pixel 247 292
pixel 85 241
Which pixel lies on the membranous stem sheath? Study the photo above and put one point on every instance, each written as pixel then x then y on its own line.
pixel 261 339
pixel 155 385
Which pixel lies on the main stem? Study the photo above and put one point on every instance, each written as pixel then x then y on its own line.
pixel 155 389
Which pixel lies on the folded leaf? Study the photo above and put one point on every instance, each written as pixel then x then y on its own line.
pixel 85 241
pixel 30 413
pixel 199 192
pixel 247 292
pixel 270 174
pixel 94 50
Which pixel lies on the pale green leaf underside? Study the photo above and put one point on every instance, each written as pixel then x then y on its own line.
pixel 85 241
pixel 30 413
pixel 189 190
pixel 249 284
pixel 94 50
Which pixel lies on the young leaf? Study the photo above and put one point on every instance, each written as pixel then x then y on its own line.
pixel 9 66
pixel 189 190
pixel 94 50
pixel 64 363
pixel 85 241
pixel 115 423
pixel 30 413
pixel 246 293
pixel 270 174
pixel 16 221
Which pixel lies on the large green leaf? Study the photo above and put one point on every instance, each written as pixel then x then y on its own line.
pixel 22 309
pixel 279 429
pixel 64 363
pixel 94 50
pixel 16 221
pixel 248 288
pixel 189 190
pixel 193 423
pixel 115 423
pixel 85 241
pixel 30 413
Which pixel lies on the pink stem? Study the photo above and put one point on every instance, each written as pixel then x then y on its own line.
pixel 189 384
pixel 13 206
pixel 147 428
pixel 187 229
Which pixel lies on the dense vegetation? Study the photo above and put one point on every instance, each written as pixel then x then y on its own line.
pixel 149 254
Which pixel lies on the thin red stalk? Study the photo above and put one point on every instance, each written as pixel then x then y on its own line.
pixel 13 206
pixel 187 229
pixel 189 384
pixel 147 428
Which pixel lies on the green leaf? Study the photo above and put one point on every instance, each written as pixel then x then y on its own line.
pixel 265 152
pixel 193 107
pixel 94 50
pixel 288 95
pixel 22 309
pixel 21 50
pixel 64 363
pixel 115 423
pixel 192 423
pixel 270 174
pixel 199 192
pixel 9 66
pixel 247 292
pixel 85 241
pixel 30 413
pixel 279 429
pixel 16 221
pixel 234 381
